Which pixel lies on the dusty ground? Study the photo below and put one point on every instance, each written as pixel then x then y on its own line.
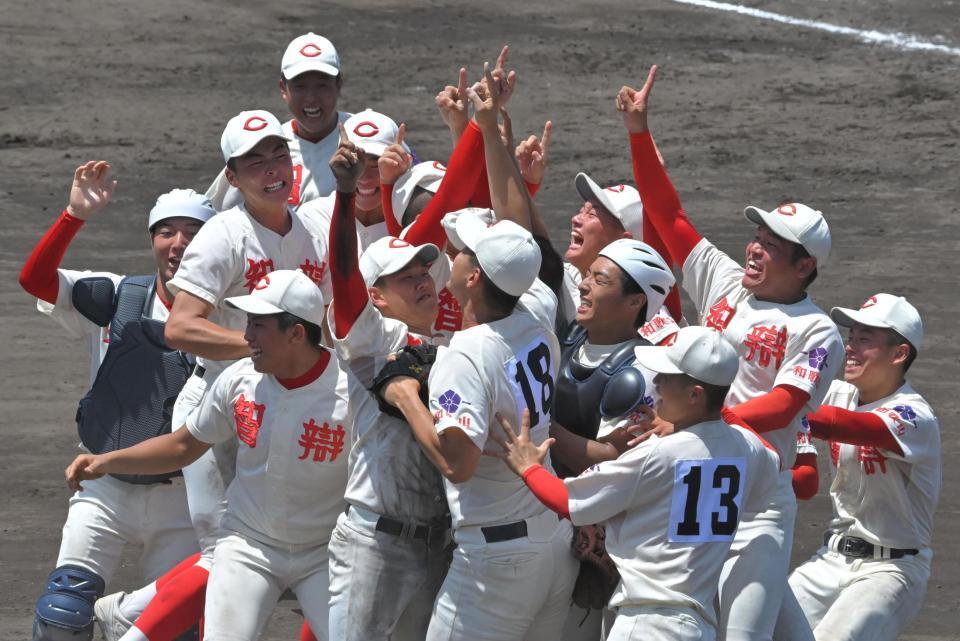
pixel 744 112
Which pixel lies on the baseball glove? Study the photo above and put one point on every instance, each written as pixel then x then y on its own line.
pixel 413 361
pixel 598 576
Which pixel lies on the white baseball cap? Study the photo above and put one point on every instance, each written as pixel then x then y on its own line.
pixel 797 223
pixel 507 252
pixel 310 52
pixel 372 131
pixel 699 352
pixel 181 203
pixel 389 255
pixel 622 201
pixel 426 175
pixel 246 129
pixel 449 222
pixel 284 290
pixel 887 311
pixel 646 267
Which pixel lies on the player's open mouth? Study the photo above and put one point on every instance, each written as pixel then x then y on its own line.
pixel 575 239
pixel 753 269
pixel 366 191
pixel 255 353
pixel 312 111
pixel 274 187
pixel 585 304
pixel 174 262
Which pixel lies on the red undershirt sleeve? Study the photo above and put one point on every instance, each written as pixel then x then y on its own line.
pixel 386 203
pixel 532 188
pixel 773 410
pixel 660 201
pixel 349 290
pixel 652 237
pixel 549 489
pixel 455 191
pixel 806 479
pixel 856 428
pixel 39 274
pixel 732 418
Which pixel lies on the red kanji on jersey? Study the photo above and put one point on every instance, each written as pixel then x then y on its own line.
pixel 256 269
pixel 249 418
pixel 654 325
pixel 314 270
pixel 871 459
pixel 766 344
pixel 720 315
pixel 324 441
pixel 835 453
pixel 294 198
pixel 449 315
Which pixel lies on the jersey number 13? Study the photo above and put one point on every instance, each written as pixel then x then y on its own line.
pixel 707 495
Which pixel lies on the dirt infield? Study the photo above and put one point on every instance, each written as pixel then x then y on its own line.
pixel 745 112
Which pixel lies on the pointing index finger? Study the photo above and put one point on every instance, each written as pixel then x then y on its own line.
pixel 502 58
pixel 401 130
pixel 343 133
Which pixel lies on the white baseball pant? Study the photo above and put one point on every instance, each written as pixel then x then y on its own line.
pixel 649 623
pixel 248 578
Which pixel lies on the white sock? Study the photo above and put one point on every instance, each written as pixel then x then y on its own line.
pixel 133 605
pixel 134 634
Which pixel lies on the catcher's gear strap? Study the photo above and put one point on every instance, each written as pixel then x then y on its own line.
pixel 133 393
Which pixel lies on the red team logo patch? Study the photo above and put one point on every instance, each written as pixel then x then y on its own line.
pixel 787 210
pixel 870 302
pixel 310 51
pixel 255 123
pixel 366 129
pixel 396 243
pixel 249 417
pixel 263 284
pixel 616 188
pixel 438 166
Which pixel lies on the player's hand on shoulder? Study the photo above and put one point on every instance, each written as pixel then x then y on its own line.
pixel 452 102
pixel 85 467
pixel 395 159
pixel 632 103
pixel 92 189
pixel 519 452
pixel 533 155
pixel 649 424
pixel 348 163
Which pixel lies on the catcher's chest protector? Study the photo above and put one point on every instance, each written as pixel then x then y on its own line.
pixel 133 394
pixel 576 404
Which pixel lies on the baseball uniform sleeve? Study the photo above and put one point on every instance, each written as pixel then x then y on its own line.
pixel 64 313
pixel 709 275
pixel 914 427
pixel 210 263
pixel 459 397
pixel 811 361
pixel 211 422
pixel 804 442
pixel 372 336
pixel 609 488
pixel 659 327
pixel 222 194
pixel 540 302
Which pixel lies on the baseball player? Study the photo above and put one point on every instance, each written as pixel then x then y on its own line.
pixel 290 407
pixel 112 511
pixel 789 351
pixel 387 553
pixel 240 247
pixel 869 578
pixel 310 84
pixel 671 505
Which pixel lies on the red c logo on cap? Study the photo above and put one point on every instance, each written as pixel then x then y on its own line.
pixel 366 129
pixel 617 188
pixel 437 165
pixel 396 243
pixel 264 283
pixel 870 302
pixel 787 210
pixel 254 123
pixel 310 50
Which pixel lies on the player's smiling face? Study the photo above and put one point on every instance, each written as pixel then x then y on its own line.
pixel 869 357
pixel 602 301
pixel 269 345
pixel 169 240
pixel 312 98
pixel 368 187
pixel 591 229
pixel 409 295
pixel 264 175
pixel 770 271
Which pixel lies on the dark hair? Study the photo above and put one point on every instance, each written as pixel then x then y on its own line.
pixel 286 320
pixel 715 394
pixel 409 215
pixel 232 164
pixel 494 297
pixel 628 287
pixel 799 253
pixel 896 338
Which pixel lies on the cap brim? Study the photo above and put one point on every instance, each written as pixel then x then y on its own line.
pixel 590 190
pixel 770 220
pixel 468 230
pixel 253 305
pixel 245 149
pixel 846 317
pixel 304 67
pixel 427 252
pixel 654 358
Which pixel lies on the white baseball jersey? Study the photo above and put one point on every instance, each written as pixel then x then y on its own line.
pixel 292 451
pixel 389 473
pixel 671 507
pixel 232 252
pixel 654 330
pixel 322 208
pixel 503 366
pixel 312 177
pixel 79 326
pixel 878 495
pixel 796 345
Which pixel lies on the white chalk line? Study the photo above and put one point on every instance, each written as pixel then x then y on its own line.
pixel 896 40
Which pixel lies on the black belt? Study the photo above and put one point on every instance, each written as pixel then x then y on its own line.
pixel 199 370
pixel 399 528
pixel 856 548
pixel 508 532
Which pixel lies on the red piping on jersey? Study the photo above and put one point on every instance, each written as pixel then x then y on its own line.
pixel 549 489
pixel 773 410
pixel 661 204
pixel 730 417
pixel 806 478
pixel 349 290
pixel 310 375
pixel 856 428
pixel 39 274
